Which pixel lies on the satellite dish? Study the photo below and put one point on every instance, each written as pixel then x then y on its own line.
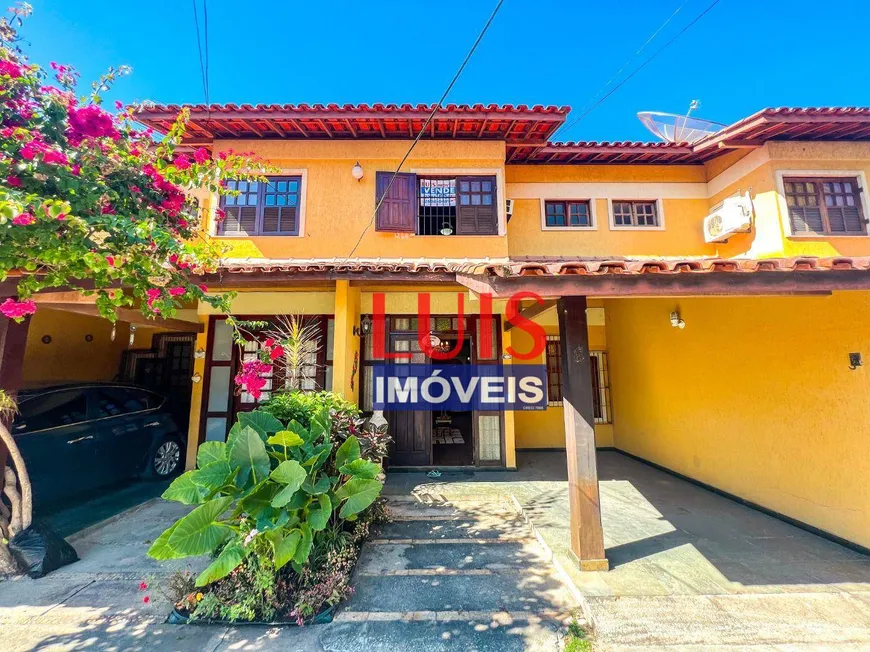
pixel 675 128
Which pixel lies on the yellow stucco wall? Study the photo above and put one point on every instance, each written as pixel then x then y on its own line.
pixel 687 193
pixel 69 357
pixel 338 209
pixel 755 397
pixel 546 429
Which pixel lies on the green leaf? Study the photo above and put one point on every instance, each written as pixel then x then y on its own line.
pixel 231 556
pixel 304 547
pixel 263 422
pixel 360 493
pixel 161 549
pixel 347 452
pixel 321 423
pixel 184 490
pixel 319 455
pixel 361 469
pixel 296 427
pixel 247 453
pixel 197 533
pixel 321 486
pixel 285 438
pixel 258 499
pixel 214 476
pixel 290 473
pixel 319 514
pixel 285 549
pixel 210 451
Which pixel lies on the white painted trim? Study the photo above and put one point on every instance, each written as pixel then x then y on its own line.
pixel 737 171
pixel 302 173
pixel 660 209
pixel 783 205
pixel 501 192
pixel 592 212
pixel 622 190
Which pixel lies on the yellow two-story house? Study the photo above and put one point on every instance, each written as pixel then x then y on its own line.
pixel 704 304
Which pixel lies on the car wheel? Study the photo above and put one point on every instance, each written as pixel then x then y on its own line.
pixel 166 459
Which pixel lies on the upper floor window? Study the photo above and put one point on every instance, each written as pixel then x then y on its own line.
pixel 824 206
pixel 635 214
pixel 270 208
pixel 437 205
pixel 567 214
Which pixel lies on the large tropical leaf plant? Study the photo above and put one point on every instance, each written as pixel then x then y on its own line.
pixel 281 483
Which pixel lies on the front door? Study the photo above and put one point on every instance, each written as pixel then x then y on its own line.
pixel 411 429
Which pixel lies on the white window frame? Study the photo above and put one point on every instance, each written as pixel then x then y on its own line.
pixel 592 213
pixel 302 173
pixel 660 212
pixel 782 204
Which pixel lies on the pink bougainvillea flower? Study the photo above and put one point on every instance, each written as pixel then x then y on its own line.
pixel 181 162
pixel 276 352
pixel 119 104
pixel 204 288
pixel 173 258
pixel 146 599
pixel 143 586
pixel 220 215
pixel 17 309
pixel 183 223
pixel 270 342
pixel 10 68
pixel 107 209
pixel 62 216
pixel 13 181
pixel 92 121
pixel 200 155
pixel 176 292
pixel 135 189
pixel 7 132
pixel 28 152
pixel 55 157
pixel 152 295
pixel 25 219
pixel 76 170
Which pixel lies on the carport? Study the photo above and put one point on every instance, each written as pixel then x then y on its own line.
pixel 66 341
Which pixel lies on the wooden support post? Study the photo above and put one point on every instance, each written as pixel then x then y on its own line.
pixel 587 537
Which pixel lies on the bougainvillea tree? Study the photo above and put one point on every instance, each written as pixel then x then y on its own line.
pixel 91 202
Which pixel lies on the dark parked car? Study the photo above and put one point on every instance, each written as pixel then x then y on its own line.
pixel 77 438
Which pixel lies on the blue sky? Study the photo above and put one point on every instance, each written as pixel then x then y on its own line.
pixel 742 56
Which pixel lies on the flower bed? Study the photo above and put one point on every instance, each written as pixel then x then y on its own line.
pixel 283 510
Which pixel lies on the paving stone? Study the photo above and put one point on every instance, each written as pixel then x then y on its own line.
pixel 509 555
pixel 462 528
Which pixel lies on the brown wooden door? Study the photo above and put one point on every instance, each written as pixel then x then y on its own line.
pixel 412 429
pixel 412 438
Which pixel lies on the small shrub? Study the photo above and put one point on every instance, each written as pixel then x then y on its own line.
pixel 281 507
pixel 301 406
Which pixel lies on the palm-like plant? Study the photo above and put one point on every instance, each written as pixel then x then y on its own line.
pixel 300 339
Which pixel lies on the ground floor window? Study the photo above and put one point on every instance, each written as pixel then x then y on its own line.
pixel 600 380
pixel 224 358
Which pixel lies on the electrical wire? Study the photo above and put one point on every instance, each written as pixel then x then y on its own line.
pixel 625 65
pixel 641 66
pixel 203 63
pixel 426 124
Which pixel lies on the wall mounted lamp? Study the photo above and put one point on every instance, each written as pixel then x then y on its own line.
pixel 676 320
pixel 196 378
pixel 357 171
pixel 199 354
pixel 855 361
pixel 364 328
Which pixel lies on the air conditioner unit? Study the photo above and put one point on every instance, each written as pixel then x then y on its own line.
pixel 733 215
pixel 509 207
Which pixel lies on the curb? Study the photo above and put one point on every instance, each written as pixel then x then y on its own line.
pixel 560 569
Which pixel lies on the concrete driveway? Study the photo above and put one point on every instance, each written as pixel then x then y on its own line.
pixel 688 567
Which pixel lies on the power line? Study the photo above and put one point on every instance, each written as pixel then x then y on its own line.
pixel 426 124
pixel 203 63
pixel 643 65
pixel 625 65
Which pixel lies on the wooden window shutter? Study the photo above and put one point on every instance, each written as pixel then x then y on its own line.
pixel 398 208
pixel 240 220
pixel 477 212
